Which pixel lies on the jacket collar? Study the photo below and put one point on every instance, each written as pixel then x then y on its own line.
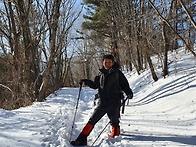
pixel 113 68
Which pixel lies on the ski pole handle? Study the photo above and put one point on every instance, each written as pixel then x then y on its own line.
pixel 123 108
pixel 123 104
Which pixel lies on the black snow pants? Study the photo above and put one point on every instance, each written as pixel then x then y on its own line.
pixel 113 113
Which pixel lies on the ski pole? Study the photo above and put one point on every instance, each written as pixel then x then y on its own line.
pixel 75 111
pixel 100 133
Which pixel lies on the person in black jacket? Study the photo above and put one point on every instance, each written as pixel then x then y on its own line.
pixel 110 83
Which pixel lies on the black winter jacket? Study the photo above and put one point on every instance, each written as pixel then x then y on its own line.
pixel 110 85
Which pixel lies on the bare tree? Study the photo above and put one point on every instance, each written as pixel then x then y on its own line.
pixel 35 36
pixel 170 26
pixel 59 22
pixel 188 13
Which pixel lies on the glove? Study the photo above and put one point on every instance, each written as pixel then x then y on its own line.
pixel 130 96
pixel 82 81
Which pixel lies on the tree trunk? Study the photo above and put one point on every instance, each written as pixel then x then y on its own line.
pixel 166 48
pixel 154 76
pixel 114 43
pixel 28 49
pixel 53 33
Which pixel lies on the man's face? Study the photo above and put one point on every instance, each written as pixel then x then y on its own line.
pixel 107 63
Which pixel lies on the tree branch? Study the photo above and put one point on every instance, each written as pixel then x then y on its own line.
pixel 164 20
pixel 188 14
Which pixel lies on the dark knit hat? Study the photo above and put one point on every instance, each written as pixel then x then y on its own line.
pixel 109 56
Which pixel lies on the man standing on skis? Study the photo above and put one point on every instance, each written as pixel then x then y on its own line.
pixel 110 83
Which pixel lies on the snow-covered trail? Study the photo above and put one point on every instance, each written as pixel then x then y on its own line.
pixel 165 121
pixel 162 113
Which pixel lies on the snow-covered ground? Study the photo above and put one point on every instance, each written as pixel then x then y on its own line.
pixel 162 113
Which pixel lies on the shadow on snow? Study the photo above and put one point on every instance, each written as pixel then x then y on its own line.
pixel 189 140
pixel 174 87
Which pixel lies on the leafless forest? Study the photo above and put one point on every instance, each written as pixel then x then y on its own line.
pixel 49 44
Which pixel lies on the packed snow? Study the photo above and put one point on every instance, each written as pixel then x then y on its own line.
pixel 162 113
